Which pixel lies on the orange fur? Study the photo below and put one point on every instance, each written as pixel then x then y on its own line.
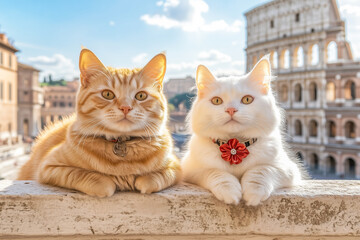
pixel 74 153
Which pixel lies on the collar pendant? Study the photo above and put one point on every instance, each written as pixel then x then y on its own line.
pixel 119 148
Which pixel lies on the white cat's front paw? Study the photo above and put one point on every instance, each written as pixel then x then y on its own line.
pixel 254 194
pixel 229 193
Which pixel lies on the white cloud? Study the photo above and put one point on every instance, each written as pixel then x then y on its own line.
pixel 140 58
pixel 188 16
pixel 57 65
pixel 112 23
pixel 213 56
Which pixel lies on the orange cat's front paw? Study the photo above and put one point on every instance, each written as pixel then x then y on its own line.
pixel 103 187
pixel 146 184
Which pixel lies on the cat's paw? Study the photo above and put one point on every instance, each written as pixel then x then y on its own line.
pixel 146 184
pixel 102 187
pixel 230 193
pixel 254 193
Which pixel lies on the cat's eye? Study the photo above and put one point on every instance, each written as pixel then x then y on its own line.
pixel 247 99
pixel 216 100
pixel 141 96
pixel 107 94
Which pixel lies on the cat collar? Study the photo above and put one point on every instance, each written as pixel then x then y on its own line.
pixel 119 148
pixel 234 151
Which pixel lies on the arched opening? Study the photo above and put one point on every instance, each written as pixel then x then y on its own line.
pixel 298 128
pixel 300 156
pixel 350 129
pixel 313 92
pixel 330 92
pixel 298 93
pixel 331 129
pixel 330 165
pixel 274 59
pixel 313 55
pixel 331 52
pixel 313 128
pixel 285 59
pixel 26 127
pixel 284 93
pixel 350 166
pixel 298 57
pixel 350 90
pixel 314 161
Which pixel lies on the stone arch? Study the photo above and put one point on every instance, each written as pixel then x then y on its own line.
pixel 298 92
pixel 300 156
pixel 350 90
pixel 284 93
pixel 298 57
pixel 313 54
pixel 313 91
pixel 285 59
pixel 274 59
pixel 330 91
pixel 330 165
pixel 350 129
pixel 313 128
pixel 314 161
pixel 350 167
pixel 331 52
pixel 331 129
pixel 298 128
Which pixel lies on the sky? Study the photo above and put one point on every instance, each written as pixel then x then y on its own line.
pixel 128 33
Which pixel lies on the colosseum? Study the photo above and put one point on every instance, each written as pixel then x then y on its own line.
pixel 317 81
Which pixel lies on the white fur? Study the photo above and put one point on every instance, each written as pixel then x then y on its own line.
pixel 266 168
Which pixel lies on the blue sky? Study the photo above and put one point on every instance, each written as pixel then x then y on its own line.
pixel 128 33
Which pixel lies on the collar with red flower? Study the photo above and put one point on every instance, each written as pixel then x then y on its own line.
pixel 234 151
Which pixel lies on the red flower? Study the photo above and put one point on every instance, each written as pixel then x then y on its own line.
pixel 233 151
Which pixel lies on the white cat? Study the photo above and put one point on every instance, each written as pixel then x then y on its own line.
pixel 244 110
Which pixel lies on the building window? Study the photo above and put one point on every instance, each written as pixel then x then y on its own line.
pixel 313 92
pixel 330 92
pixel 272 24
pixel 350 166
pixel 313 128
pixel 331 129
pixel 70 104
pixel 331 52
pixel 298 128
pixel 10 91
pixel 298 59
pixel 297 17
pixel 285 59
pixel 350 129
pixel 284 93
pixel 1 59
pixel 313 55
pixel 350 90
pixel 26 92
pixel 62 104
pixel 298 93
pixel 54 104
pixel 330 165
pixel 10 61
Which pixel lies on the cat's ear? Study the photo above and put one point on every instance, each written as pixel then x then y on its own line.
pixel 204 78
pixel 155 70
pixel 261 74
pixel 89 64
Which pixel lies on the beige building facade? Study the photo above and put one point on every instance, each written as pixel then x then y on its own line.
pixel 317 81
pixel 179 85
pixel 30 100
pixel 59 101
pixel 8 90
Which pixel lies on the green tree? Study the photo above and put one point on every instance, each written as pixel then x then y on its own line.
pixel 186 98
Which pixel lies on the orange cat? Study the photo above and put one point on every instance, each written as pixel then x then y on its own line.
pixel 116 140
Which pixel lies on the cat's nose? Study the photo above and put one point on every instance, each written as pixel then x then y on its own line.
pixel 231 111
pixel 125 109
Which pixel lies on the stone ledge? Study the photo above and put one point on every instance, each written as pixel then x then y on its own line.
pixel 326 209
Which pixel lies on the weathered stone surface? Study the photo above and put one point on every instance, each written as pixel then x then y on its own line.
pixel 324 209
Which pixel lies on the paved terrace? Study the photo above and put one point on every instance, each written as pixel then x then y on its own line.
pixel 317 210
